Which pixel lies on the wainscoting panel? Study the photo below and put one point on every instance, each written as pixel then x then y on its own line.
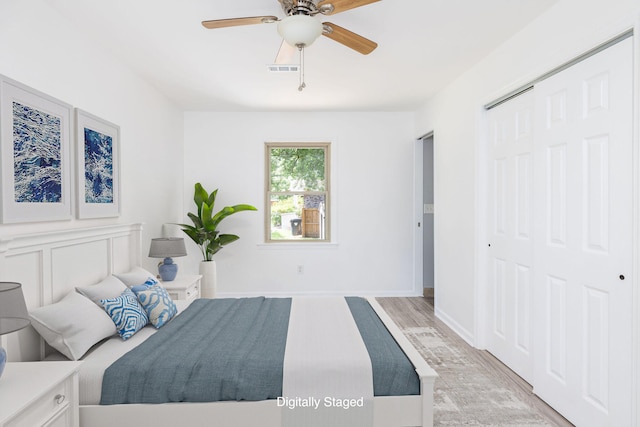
pixel 49 265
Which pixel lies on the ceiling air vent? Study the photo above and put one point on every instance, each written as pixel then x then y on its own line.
pixel 281 68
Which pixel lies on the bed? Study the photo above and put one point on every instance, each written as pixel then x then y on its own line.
pixel 54 263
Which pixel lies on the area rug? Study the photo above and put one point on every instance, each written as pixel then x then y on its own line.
pixel 466 393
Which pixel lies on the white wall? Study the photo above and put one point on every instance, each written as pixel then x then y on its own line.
pixel 41 49
pixel 455 115
pixel 373 200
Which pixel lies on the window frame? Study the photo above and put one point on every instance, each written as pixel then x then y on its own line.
pixel 326 146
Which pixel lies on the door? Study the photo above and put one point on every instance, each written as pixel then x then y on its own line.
pixel 510 269
pixel 583 239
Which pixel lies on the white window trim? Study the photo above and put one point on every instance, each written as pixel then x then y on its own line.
pixel 332 242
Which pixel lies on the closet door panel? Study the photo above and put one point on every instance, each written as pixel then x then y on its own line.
pixel 583 244
pixel 509 303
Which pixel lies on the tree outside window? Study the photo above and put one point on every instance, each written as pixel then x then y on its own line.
pixel 297 196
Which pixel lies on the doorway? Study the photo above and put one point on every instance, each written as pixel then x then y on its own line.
pixel 428 264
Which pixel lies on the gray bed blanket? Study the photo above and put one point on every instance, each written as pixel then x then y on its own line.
pixel 393 373
pixel 223 349
pixel 233 349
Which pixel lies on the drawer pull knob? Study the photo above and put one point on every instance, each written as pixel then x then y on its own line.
pixel 59 398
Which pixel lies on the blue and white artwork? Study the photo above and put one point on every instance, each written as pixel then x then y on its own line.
pixel 98 167
pixel 37 154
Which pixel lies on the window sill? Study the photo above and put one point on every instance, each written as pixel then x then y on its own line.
pixel 298 245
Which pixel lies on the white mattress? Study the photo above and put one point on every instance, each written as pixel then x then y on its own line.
pixel 99 358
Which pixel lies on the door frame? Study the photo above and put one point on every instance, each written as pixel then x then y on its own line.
pixel 418 211
pixel 635 417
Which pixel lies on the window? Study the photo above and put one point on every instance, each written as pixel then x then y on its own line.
pixel 297 192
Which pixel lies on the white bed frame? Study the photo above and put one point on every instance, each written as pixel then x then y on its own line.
pixel 51 264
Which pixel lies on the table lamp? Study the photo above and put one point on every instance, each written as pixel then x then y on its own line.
pixel 167 247
pixel 13 313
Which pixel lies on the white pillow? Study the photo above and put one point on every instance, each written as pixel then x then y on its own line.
pixel 137 276
pixel 110 287
pixel 72 325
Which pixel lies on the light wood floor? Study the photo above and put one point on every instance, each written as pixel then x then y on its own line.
pixel 417 312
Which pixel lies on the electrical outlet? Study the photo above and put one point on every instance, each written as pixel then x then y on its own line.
pixel 301 269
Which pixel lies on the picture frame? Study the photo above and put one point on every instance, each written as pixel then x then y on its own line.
pixel 98 166
pixel 35 155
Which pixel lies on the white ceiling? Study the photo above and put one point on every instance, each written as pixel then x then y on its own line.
pixel 422 46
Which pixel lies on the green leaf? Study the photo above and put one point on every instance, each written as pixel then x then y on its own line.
pixel 244 207
pixel 199 196
pixel 222 214
pixel 197 222
pixel 211 201
pixel 225 239
pixel 230 210
pixel 207 222
pixel 192 233
pixel 213 248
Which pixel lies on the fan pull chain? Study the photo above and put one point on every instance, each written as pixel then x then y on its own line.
pixel 302 83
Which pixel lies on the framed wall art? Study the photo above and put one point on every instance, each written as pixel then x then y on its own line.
pixel 35 138
pixel 98 159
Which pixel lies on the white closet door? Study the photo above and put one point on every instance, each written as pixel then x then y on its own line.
pixel 583 245
pixel 509 299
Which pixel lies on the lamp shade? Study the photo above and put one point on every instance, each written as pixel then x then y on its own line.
pixel 13 309
pixel 166 247
pixel 300 30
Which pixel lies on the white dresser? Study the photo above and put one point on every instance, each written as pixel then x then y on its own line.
pixel 34 394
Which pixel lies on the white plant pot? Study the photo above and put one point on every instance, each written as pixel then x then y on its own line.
pixel 208 282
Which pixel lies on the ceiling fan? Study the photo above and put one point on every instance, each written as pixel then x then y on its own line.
pixel 299 28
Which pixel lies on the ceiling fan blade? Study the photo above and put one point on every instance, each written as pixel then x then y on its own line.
pixel 286 54
pixel 234 22
pixel 349 39
pixel 342 5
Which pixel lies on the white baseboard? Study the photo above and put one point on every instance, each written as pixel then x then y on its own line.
pixel 455 326
pixel 285 294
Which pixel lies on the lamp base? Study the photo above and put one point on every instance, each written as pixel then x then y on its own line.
pixel 3 360
pixel 167 270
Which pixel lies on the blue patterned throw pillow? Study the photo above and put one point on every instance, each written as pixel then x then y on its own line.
pixel 146 285
pixel 158 304
pixel 127 313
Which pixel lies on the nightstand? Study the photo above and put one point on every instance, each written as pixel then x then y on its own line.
pixel 184 287
pixel 39 394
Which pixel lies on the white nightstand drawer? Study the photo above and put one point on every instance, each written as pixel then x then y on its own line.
pixel 193 291
pixel 46 409
pixel 62 419
pixel 183 287
pixel 31 394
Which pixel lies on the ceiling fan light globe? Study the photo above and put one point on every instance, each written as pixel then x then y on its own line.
pixel 299 30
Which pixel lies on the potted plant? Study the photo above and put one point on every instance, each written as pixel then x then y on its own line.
pixel 204 232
